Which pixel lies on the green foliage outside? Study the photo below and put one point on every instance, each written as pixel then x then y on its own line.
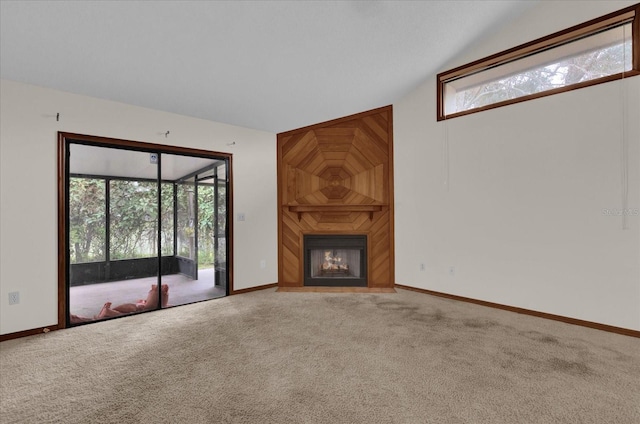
pixel 133 220
pixel 585 67
pixel 206 254
pixel 86 220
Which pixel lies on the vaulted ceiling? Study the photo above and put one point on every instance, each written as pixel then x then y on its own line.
pixel 267 65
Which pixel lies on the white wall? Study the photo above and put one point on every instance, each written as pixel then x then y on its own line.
pixel 521 220
pixel 28 214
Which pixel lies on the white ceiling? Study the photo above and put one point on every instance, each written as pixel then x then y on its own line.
pixel 116 162
pixel 267 65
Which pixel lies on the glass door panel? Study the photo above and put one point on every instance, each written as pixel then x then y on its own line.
pixel 221 218
pixel 186 206
pixel 191 275
pixel 112 237
pixel 137 242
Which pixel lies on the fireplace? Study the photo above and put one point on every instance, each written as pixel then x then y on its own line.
pixel 336 178
pixel 335 260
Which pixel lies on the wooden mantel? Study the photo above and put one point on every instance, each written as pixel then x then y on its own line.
pixel 337 178
pixel 300 209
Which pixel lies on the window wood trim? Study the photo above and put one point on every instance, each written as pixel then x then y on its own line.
pixel 547 42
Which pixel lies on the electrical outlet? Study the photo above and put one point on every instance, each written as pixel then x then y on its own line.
pixel 452 271
pixel 153 158
pixel 14 298
pixel 263 264
pixel 241 216
pixel 423 267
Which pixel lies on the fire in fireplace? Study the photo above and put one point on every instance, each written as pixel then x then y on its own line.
pixel 335 260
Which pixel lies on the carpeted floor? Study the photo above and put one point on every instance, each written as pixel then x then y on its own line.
pixel 267 357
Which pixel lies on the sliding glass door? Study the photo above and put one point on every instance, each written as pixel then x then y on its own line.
pixel 145 229
pixel 200 205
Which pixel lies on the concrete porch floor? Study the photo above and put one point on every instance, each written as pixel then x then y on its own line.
pixel 86 301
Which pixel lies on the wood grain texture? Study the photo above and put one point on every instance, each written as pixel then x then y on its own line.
pixel 335 290
pixel 252 289
pixel 337 178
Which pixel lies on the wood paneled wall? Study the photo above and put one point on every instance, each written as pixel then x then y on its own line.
pixel 337 178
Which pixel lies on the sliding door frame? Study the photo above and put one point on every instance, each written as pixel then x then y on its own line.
pixel 64 139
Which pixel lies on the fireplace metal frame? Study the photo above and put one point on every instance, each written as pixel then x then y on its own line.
pixel 335 241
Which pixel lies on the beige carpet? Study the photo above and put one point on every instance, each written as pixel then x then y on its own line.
pixel 267 357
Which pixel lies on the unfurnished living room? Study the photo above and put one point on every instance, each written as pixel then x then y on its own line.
pixel 320 211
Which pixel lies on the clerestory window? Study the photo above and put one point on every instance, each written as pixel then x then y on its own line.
pixel 597 51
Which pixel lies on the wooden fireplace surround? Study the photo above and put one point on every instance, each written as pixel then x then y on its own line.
pixel 337 178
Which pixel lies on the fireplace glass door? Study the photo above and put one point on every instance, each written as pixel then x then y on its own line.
pixel 335 260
